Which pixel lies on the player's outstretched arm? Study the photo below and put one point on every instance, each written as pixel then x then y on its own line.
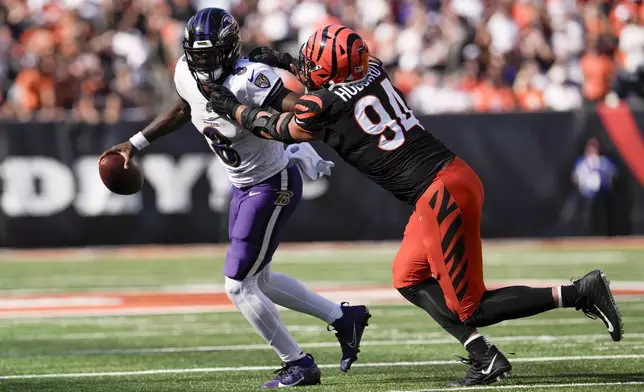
pixel 284 100
pixel 168 121
pixel 280 127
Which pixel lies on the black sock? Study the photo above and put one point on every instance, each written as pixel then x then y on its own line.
pixel 511 303
pixel 302 361
pixel 478 346
pixel 569 296
pixel 429 297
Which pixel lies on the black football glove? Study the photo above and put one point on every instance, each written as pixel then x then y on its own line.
pixel 222 100
pixel 273 58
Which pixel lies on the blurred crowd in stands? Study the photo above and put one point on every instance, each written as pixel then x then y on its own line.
pixel 103 60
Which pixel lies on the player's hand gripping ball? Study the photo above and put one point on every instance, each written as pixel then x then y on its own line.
pixel 119 174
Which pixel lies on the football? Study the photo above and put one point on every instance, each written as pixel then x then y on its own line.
pixel 118 179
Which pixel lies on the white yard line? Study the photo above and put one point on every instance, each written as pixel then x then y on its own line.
pixel 529 386
pixel 41 290
pixel 531 339
pixel 118 312
pixel 325 366
pixel 196 329
pixel 206 328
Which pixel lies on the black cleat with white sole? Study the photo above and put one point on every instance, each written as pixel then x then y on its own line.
pixel 485 369
pixel 596 301
pixel 349 329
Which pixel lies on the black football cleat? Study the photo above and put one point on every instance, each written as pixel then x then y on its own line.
pixel 596 301
pixel 348 330
pixel 485 369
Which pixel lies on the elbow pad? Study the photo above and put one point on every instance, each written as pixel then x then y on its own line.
pixel 285 134
pixel 257 124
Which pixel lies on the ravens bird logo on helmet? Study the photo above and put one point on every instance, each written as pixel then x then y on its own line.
pixel 212 46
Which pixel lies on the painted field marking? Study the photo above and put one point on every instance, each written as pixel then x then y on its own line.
pixel 118 312
pixel 121 303
pixel 529 386
pixel 325 366
pixel 205 329
pixel 48 302
pixel 536 339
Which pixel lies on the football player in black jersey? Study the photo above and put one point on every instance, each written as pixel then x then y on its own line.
pixel 353 107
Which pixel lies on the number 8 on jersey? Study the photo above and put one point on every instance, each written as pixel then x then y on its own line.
pixel 221 146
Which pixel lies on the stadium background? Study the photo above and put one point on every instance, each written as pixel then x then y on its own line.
pixel 520 89
pixel 79 76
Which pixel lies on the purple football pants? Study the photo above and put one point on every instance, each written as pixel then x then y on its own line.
pixel 258 215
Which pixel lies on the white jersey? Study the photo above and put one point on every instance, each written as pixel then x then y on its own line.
pixel 247 158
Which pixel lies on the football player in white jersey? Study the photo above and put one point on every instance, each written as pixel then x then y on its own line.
pixel 267 189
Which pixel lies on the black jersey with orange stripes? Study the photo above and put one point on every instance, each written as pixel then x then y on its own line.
pixel 370 126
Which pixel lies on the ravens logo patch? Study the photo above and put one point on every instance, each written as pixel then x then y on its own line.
pixel 262 81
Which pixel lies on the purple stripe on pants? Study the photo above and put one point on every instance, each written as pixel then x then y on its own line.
pixel 258 215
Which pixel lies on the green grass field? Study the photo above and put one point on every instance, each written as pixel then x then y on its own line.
pixel 403 349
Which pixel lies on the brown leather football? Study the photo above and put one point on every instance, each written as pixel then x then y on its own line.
pixel 118 179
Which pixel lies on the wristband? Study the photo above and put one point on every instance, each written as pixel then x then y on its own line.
pixel 139 141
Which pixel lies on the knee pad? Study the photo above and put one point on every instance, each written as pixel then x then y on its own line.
pixel 233 288
pixel 236 289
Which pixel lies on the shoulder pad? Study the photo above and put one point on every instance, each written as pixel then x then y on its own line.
pixel 252 83
pixel 261 75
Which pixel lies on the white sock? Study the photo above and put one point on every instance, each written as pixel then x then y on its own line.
pixel 263 315
pixel 472 338
pixel 475 336
pixel 292 294
pixel 559 299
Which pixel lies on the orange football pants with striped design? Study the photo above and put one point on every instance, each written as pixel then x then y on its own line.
pixel 443 239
